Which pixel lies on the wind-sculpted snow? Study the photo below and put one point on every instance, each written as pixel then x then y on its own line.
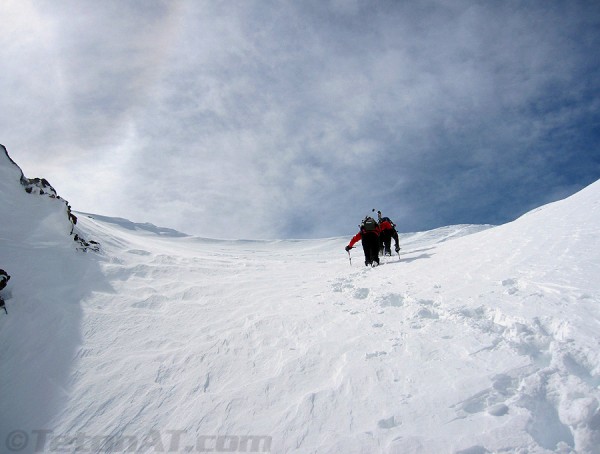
pixel 485 342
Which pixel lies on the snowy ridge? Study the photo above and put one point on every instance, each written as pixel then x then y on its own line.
pixel 127 224
pixel 479 340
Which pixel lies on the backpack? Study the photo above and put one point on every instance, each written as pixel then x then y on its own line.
pixel 368 225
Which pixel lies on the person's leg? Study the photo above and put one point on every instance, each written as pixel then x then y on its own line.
pixel 395 237
pixel 373 241
pixel 387 241
pixel 366 250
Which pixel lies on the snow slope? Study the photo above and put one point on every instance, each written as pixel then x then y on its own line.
pixel 472 343
pixel 49 279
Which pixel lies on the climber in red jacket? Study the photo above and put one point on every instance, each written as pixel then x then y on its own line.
pixel 388 231
pixel 369 235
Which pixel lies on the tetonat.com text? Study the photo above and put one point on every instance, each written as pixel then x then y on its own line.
pixel 154 441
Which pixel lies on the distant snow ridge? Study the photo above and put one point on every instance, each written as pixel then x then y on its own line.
pixel 41 186
pixel 136 226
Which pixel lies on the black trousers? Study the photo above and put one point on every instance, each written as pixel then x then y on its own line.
pixel 385 240
pixel 370 244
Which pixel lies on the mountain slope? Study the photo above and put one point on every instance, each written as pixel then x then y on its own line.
pixel 481 343
pixel 48 281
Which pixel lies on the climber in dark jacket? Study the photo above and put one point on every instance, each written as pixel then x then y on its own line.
pixel 369 235
pixel 388 231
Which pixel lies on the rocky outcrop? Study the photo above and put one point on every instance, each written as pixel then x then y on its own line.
pixel 41 187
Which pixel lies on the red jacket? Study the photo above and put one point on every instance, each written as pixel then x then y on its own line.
pixel 386 225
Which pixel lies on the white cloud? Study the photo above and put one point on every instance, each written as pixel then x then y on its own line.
pixel 266 114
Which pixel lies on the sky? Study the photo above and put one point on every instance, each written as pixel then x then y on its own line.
pixel 294 119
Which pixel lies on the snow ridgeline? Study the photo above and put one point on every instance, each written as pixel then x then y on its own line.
pixel 482 343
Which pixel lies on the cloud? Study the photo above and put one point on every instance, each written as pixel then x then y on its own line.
pixel 282 119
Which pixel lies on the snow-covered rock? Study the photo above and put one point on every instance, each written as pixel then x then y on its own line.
pixel 35 214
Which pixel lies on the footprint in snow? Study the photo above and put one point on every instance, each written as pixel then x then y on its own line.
pixel 341 284
pixel 375 355
pixel 491 400
pixel 474 450
pixel 425 312
pixel 361 293
pixel 388 423
pixel 512 285
pixel 391 300
pixel 154 302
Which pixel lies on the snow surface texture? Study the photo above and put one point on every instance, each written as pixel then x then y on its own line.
pixel 476 341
